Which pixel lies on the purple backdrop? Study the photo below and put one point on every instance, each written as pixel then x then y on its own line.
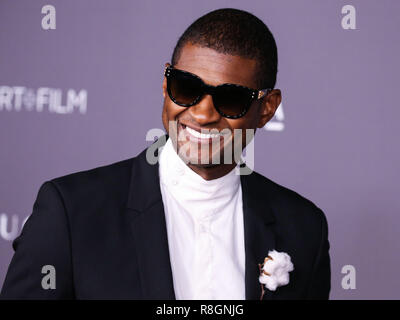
pixel 86 93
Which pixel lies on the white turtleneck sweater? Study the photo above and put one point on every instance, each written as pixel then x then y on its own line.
pixel 205 230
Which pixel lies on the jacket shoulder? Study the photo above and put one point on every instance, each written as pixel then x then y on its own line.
pixel 288 204
pixel 104 182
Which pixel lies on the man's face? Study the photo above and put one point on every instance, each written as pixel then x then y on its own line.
pixel 213 68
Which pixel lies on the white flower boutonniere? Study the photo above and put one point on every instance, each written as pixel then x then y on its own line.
pixel 274 272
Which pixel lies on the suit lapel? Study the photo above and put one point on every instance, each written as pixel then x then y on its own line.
pixel 259 236
pixel 146 213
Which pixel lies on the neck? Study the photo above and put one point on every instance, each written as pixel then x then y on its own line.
pixel 213 171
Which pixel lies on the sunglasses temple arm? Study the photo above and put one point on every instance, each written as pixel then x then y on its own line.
pixel 262 93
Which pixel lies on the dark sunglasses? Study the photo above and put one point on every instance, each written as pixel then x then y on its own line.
pixel 230 100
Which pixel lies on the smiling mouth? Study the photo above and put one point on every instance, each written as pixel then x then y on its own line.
pixel 203 136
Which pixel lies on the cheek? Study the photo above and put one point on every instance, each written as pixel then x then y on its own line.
pixel 166 115
pixel 249 121
pixel 170 109
pixel 243 124
pixel 169 113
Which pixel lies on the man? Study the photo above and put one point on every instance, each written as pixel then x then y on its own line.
pixel 185 226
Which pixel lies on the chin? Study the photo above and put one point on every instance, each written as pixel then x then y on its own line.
pixel 197 160
pixel 210 165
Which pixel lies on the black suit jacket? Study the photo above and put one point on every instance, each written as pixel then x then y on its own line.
pixel 104 232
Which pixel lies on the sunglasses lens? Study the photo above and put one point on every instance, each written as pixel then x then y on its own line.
pixel 232 100
pixel 183 87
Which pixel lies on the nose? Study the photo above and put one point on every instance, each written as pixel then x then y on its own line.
pixel 204 111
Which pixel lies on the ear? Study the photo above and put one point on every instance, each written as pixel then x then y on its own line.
pixel 164 87
pixel 268 106
pixel 164 84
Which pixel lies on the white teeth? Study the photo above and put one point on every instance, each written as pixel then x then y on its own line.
pixel 202 135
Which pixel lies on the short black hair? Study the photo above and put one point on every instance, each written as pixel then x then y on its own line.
pixel 235 32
